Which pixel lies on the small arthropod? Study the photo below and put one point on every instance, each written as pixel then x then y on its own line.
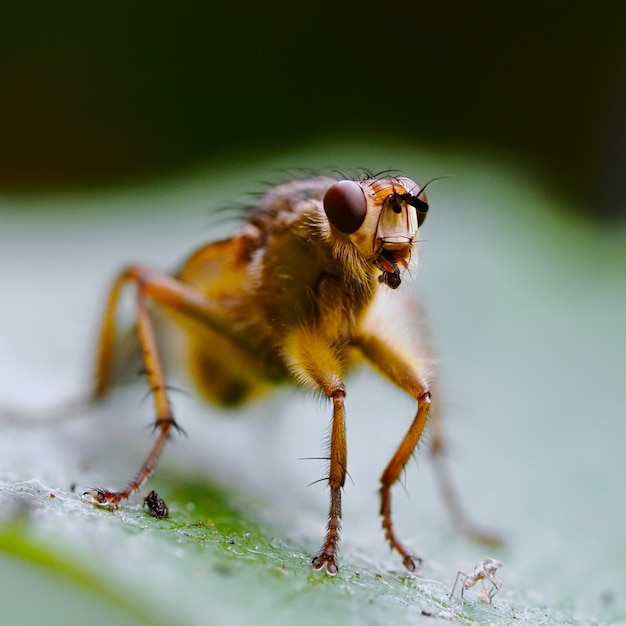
pixel 156 505
pixel 294 296
pixel 484 571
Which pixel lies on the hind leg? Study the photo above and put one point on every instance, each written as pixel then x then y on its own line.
pixel 168 292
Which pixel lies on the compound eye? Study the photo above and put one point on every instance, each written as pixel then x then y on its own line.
pixel 345 206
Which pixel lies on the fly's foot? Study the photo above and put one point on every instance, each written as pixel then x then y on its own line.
pixel 411 563
pixel 326 558
pixel 103 498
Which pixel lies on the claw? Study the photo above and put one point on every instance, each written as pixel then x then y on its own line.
pixel 409 562
pixel 102 498
pixel 324 559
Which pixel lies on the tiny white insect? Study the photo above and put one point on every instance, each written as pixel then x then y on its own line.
pixel 484 571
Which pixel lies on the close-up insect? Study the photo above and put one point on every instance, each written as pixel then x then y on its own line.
pixel 294 296
pixel 485 571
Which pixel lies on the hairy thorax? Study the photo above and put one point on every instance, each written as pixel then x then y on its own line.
pixel 300 275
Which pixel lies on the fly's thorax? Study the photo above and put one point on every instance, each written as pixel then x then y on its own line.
pixel 299 273
pixel 287 205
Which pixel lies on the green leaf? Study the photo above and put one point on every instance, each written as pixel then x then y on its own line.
pixel 527 306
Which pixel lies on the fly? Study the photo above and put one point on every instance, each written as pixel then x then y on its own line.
pixel 294 296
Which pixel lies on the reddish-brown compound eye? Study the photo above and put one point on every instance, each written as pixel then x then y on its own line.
pixel 345 206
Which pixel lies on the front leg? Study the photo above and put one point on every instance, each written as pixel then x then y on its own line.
pixel 392 473
pixel 411 373
pixel 313 362
pixel 407 376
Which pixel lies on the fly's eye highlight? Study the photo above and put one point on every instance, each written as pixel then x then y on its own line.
pixel 345 206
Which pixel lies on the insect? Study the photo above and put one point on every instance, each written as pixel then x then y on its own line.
pixel 294 296
pixel 484 570
pixel 156 505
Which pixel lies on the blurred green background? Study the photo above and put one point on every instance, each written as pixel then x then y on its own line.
pixel 93 94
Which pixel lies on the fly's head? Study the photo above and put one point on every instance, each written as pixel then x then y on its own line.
pixel 381 217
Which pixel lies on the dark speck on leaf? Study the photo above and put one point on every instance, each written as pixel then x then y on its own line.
pixel 156 505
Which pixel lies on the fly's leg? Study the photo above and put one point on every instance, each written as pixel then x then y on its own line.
pixel 313 362
pixel 165 291
pixel 160 288
pixel 394 469
pixel 407 375
pixel 327 556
